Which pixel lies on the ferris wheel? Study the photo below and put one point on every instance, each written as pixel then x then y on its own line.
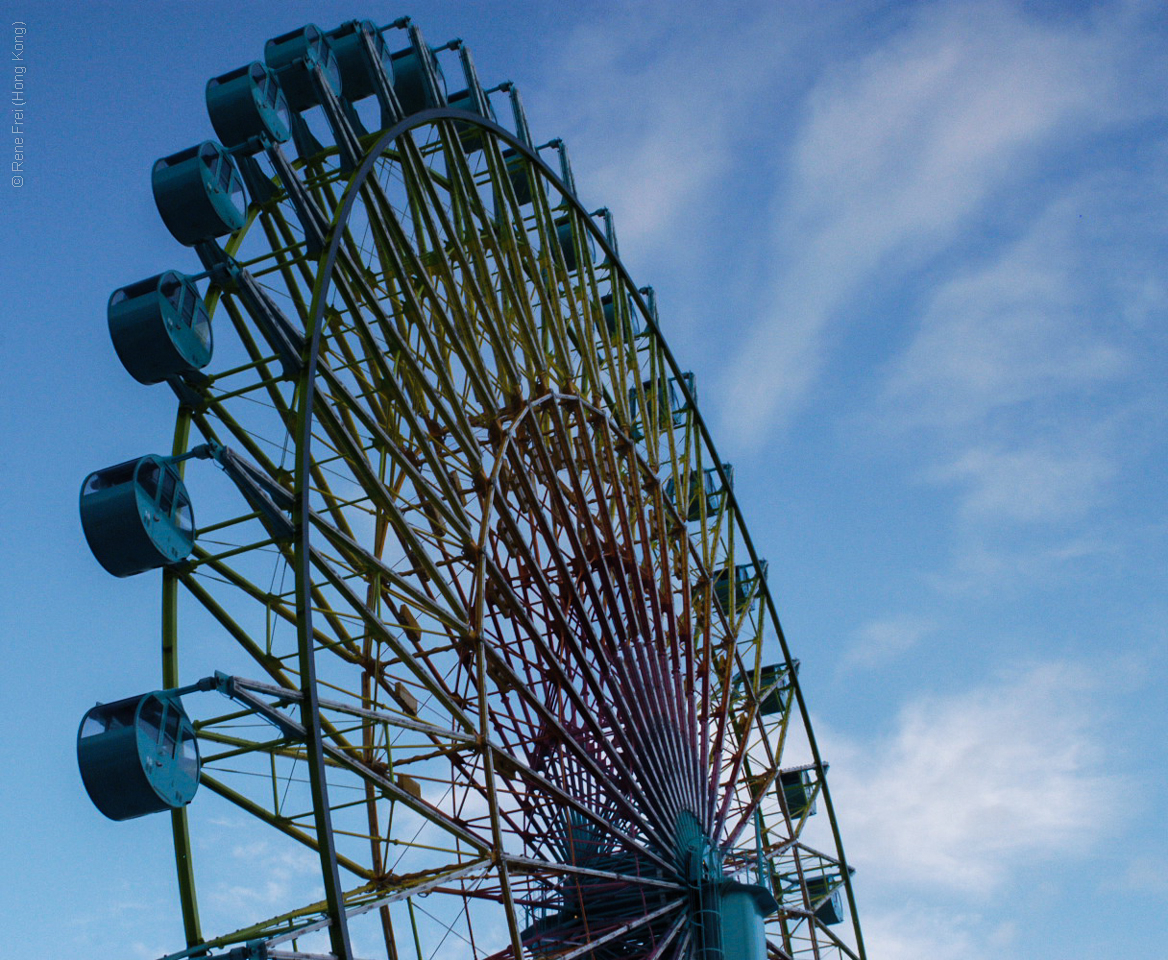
pixel 471 612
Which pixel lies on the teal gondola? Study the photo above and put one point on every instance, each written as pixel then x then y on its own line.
pixel 668 398
pixel 199 193
pixel 419 85
pixel 745 586
pixel 704 492
pixel 160 327
pixel 775 681
pixel 293 57
pixel 565 236
pixel 798 792
pixel 470 134
pixel 520 173
pixel 138 756
pixel 248 103
pixel 629 323
pixel 825 899
pixel 348 44
pixel 137 516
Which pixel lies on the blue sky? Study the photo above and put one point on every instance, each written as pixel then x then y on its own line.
pixel 915 253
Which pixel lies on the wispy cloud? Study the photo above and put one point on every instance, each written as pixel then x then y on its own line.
pixel 261 876
pixel 1013 332
pixel 1028 484
pixel 1028 375
pixel 969 787
pixel 882 641
pixel 902 152
pixel 1148 875
pixel 987 561
pixel 654 118
pixel 917 932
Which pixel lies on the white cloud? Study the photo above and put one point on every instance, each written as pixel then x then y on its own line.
pixel 1029 484
pixel 1025 377
pixel 901 151
pixel 984 562
pixel 262 876
pixel 1011 333
pixel 883 640
pixel 914 932
pixel 653 96
pixel 1148 875
pixel 970 789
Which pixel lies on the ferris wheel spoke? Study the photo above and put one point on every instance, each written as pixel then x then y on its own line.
pixel 539 581
pixel 291 253
pixel 615 541
pixel 361 561
pixel 247 438
pixel 639 805
pixel 613 631
pixel 844 948
pixel 657 760
pixel 481 256
pixel 618 932
pixel 387 380
pixel 552 792
pixel 405 261
pixel 746 814
pixel 716 812
pixel 283 824
pixel 739 754
pixel 624 795
pixel 240 313
pixel 449 414
pixel 344 356
pixel 658 682
pixel 602 722
pixel 646 740
pixel 493 377
pixel 589 376
pixel 374 624
pixel 397 720
pixel 425 678
pixel 517 270
pixel 778 953
pixel 446 822
pixel 276 670
pixel 355 290
pixel 600 648
pixel 445 499
pixel 390 505
pixel 652 687
pixel 535 302
pixel 542 868
pixel 497 297
pixel 669 937
pixel 384 501
pixel 340 751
